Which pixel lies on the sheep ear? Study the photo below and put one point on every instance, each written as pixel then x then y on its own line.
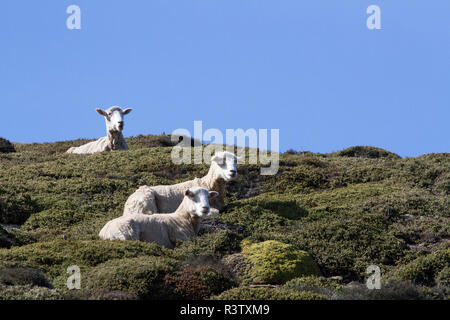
pixel 218 159
pixel 127 111
pixel 101 112
pixel 188 193
pixel 213 194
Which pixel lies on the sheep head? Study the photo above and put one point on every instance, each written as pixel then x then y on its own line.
pixel 114 118
pixel 225 164
pixel 197 201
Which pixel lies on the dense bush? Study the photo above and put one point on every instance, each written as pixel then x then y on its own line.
pixel 348 210
pixel 55 256
pixel 426 270
pixel 29 292
pixel 235 265
pixel 243 293
pixel 196 283
pixel 275 262
pixel 366 152
pixel 23 276
pixel 443 278
pixel 319 285
pixel 6 240
pixel 6 146
pixel 211 244
pixel 344 244
pixel 16 208
pixel 392 290
pixel 142 276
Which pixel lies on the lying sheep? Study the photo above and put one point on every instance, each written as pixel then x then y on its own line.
pixel 157 199
pixel 114 139
pixel 163 229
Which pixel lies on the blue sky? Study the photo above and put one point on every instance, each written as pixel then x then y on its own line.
pixel 309 68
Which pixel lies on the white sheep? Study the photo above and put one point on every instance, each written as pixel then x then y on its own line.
pixel 164 229
pixel 166 198
pixel 114 139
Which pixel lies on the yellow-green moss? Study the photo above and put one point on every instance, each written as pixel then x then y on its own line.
pixel 275 262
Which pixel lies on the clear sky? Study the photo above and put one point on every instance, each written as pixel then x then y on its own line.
pixel 310 68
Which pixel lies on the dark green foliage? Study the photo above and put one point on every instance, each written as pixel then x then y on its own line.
pixel 150 141
pixel 360 206
pixel 317 285
pixel 23 276
pixel 211 244
pixel 443 281
pixel 16 208
pixel 14 237
pixel 196 283
pixel 102 294
pixel 6 240
pixel 366 152
pixel 243 293
pixel 29 292
pixel 142 276
pixel 426 270
pixel 55 256
pixel 6 146
pixel 345 244
pixel 392 290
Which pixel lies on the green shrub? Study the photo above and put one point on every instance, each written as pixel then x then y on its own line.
pixel 423 230
pixel 6 146
pixel 16 208
pixel 150 141
pixel 102 294
pixel 142 276
pixel 428 172
pixel 344 244
pixel 196 283
pixel 53 219
pixel 319 285
pixel 234 266
pixel 425 269
pixel 366 152
pixel 276 262
pixel 54 257
pixel 29 292
pixel 392 290
pixel 21 237
pixel 443 278
pixel 210 244
pixel 243 293
pixel 365 206
pixel 6 240
pixel 23 276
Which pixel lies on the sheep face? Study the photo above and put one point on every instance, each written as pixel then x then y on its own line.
pixel 226 165
pixel 199 201
pixel 114 118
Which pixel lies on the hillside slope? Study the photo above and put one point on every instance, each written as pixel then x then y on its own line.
pixel 346 210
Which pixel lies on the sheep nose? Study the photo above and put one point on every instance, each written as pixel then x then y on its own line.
pixel 205 209
pixel 233 173
pixel 120 123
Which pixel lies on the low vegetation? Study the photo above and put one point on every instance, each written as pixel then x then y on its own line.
pixel 309 232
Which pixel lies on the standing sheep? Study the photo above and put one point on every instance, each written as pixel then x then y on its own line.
pixel 114 139
pixel 166 198
pixel 164 229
